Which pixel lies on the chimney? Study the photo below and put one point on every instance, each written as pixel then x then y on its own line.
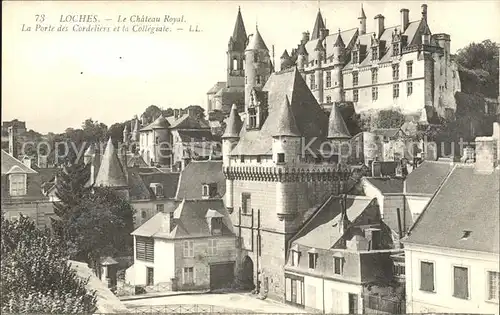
pixel 486 152
pixel 192 111
pixel 168 222
pixel 405 19
pixel 424 12
pixel 12 141
pixel 324 32
pixel 305 37
pixel 379 25
pixel 176 113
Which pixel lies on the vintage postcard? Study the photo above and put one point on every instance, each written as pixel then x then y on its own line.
pixel 334 157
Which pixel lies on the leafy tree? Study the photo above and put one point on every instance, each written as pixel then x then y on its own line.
pixel 169 112
pixel 478 66
pixel 152 112
pixel 35 274
pixel 94 131
pixel 390 119
pixel 350 117
pixel 115 131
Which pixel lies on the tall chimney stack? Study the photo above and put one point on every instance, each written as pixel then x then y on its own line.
pixel 424 11
pixel 379 25
pixel 405 19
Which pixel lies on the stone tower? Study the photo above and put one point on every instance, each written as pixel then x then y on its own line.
pixel 258 65
pixel 320 54
pixel 338 64
pixel 236 54
pixel 338 135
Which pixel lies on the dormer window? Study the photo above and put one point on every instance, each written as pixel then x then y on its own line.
pixel 209 190
pixel 355 79
pixel 395 49
pixel 295 257
pixel 216 228
pixel 355 57
pixel 17 184
pixel 157 189
pixel 252 118
pixel 374 53
pixel 281 158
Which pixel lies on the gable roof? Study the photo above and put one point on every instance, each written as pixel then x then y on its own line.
pixel 190 220
pixel 466 201
pixel 10 163
pixel 158 123
pixel 310 119
pixel 111 172
pixel 387 185
pixel 197 173
pixel 322 230
pixel 426 178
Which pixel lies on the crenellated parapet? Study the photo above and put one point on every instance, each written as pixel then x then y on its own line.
pixel 286 174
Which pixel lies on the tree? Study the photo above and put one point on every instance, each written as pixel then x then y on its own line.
pixel 35 274
pixel 478 66
pixel 115 131
pixel 152 112
pixel 390 119
pixel 94 131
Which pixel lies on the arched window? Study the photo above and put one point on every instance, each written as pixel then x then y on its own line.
pixel 256 57
pixel 235 64
pixel 143 214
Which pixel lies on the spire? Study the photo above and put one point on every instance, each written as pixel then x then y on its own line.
pixel 318 26
pixel 111 172
pixel 286 125
pixel 362 14
pixel 339 42
pixel 233 125
pixel 256 42
pixel 285 55
pixel 239 37
pixel 136 125
pixel 337 128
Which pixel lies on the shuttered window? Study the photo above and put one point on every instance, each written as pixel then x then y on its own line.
pixel 427 276
pixel 461 282
pixel 144 249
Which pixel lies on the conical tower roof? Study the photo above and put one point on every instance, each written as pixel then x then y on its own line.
pixel 337 128
pixel 239 33
pixel 233 125
pixel 302 50
pixel 285 55
pixel 286 124
pixel 256 42
pixel 339 42
pixel 111 172
pixel 319 24
pixel 362 14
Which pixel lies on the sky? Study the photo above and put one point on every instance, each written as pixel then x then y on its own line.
pixel 55 80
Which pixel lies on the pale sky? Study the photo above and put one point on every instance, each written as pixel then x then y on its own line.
pixel 55 80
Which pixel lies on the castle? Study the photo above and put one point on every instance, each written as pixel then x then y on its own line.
pixel 403 67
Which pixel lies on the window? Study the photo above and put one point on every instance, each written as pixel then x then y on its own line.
pixel 188 275
pixel 144 214
pixel 355 57
pixel 374 93
pixel 160 208
pixel 295 258
pixel 427 276
pixel 242 158
pixel 188 249
pixel 460 282
pixel 395 90
pixel 328 99
pixel 205 190
pixel 235 64
pixel 313 260
pixel 212 247
pixel 294 290
pixel 312 79
pixel 355 79
pixel 398 270
pixel 395 49
pixel 409 88
pixel 281 157
pixel 150 276
pixel 259 245
pixel 338 265
pixel 355 95
pixel 493 285
pixel 409 69
pixel 158 190
pixel 255 58
pixel 252 118
pixel 144 249
pixel 374 76
pixel 257 79
pixel 395 72
pixel 328 79
pixel 374 53
pixel 258 158
pixel 17 184
pixel 246 202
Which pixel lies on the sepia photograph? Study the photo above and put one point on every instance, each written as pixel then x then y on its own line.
pixel 250 157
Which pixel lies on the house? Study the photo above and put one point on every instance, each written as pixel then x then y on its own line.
pixel 452 250
pixel 340 257
pixel 22 191
pixel 192 247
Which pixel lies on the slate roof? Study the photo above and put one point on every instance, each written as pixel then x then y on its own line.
pixel 256 42
pixel 169 181
pixel 387 185
pixel 387 132
pixel 158 123
pixel 466 202
pixel 134 160
pixel 426 178
pixel 337 127
pixel 319 24
pixel 196 135
pixel 189 221
pixel 233 124
pixel 217 86
pixel 322 230
pixel 187 121
pixel 329 41
pixel 311 120
pixel 286 125
pixel 9 163
pixel 197 173
pixel 111 173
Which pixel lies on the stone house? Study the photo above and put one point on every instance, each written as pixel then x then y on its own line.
pixel 338 255
pixel 454 267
